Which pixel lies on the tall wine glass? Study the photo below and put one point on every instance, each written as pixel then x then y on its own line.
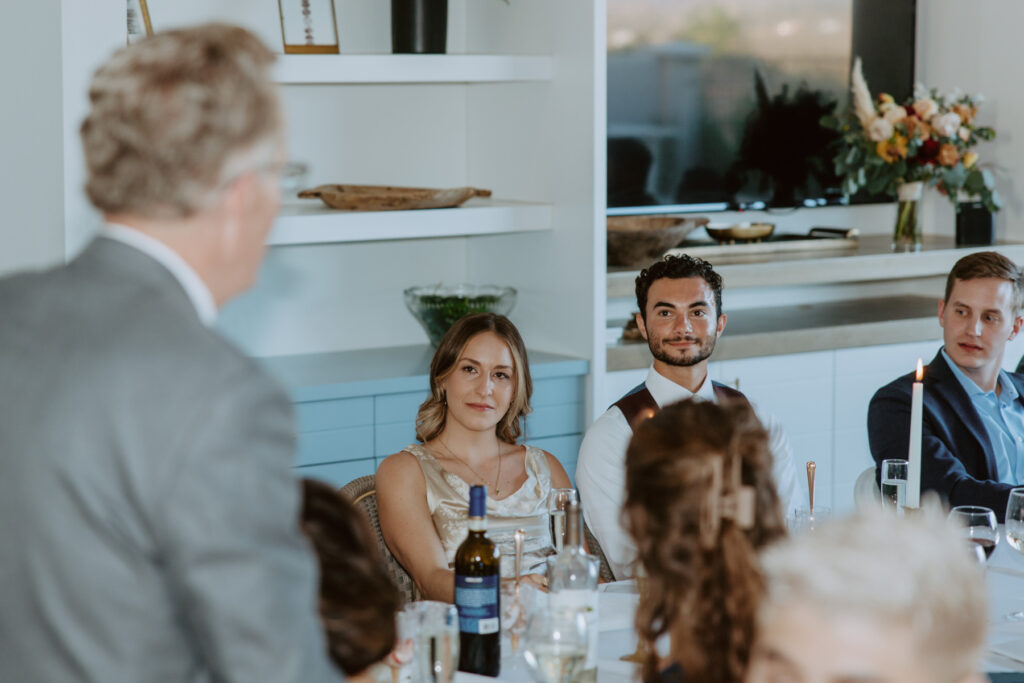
pixel 556 645
pixel 1015 532
pixel 558 500
pixel 980 529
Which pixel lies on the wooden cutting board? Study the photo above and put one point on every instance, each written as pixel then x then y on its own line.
pixel 388 198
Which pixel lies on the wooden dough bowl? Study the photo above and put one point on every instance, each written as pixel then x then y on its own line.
pixel 387 198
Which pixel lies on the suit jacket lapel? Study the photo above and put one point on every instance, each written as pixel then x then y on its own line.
pixel 945 386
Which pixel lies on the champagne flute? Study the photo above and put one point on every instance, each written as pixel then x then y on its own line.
pixel 1015 532
pixel 556 645
pixel 980 529
pixel 558 500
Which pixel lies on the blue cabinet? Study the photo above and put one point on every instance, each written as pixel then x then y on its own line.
pixel 354 408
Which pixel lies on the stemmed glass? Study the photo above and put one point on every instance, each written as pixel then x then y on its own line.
pixel 558 500
pixel 556 645
pixel 980 529
pixel 1015 532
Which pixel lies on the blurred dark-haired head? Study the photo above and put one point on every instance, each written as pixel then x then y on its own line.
pixel 358 601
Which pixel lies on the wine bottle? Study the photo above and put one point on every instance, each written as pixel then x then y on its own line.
pixel 572 580
pixel 477 593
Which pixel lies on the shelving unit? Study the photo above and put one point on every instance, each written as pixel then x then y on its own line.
pixel 517 107
pixel 407 69
pixel 310 222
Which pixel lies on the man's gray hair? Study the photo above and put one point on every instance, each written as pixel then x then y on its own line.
pixel 915 571
pixel 176 117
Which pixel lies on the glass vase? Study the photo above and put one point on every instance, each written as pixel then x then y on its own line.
pixel 907 233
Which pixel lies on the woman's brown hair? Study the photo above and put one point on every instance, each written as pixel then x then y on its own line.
pixel 358 601
pixel 433 413
pixel 704 594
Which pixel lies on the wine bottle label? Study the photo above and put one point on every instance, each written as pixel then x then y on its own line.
pixel 476 598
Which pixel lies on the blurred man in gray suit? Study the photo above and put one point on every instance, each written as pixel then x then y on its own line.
pixel 149 516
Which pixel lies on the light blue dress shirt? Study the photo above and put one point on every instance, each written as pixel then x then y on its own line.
pixel 1003 417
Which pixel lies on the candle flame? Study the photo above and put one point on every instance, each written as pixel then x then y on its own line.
pixel 920 370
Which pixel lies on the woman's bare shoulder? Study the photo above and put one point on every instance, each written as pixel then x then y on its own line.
pixel 399 469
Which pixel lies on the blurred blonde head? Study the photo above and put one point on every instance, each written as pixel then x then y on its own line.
pixel 176 117
pixel 872 577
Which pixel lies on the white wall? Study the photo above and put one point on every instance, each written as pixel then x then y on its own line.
pixel 31 147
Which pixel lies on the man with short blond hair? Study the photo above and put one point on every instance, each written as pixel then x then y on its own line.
pixel 150 516
pixel 872 598
pixel 972 450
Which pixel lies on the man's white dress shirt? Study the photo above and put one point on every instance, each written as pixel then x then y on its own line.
pixel 601 469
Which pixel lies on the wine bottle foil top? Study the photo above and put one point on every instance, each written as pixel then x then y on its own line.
pixel 478 501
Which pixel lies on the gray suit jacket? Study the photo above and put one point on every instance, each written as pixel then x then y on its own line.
pixel 148 513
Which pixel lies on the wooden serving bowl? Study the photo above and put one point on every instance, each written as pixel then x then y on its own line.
pixel 638 240
pixel 390 198
pixel 740 232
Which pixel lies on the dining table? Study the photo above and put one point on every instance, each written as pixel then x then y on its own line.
pixel 1004 647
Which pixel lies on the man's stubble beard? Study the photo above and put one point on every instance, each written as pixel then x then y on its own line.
pixel 703 352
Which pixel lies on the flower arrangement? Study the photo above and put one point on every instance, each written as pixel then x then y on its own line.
pixel 886 145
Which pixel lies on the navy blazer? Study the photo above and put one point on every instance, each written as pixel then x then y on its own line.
pixel 956 454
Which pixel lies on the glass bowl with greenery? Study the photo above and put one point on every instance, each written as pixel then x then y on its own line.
pixel 437 307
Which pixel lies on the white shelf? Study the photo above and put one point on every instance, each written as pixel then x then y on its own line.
pixel 310 222
pixel 299 69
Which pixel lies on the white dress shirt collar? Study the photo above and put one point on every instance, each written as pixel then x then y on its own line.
pixel 196 290
pixel 666 391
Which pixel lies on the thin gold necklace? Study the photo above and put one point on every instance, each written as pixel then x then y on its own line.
pixel 497 479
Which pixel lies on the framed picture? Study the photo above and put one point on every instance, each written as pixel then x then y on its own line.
pixel 308 27
pixel 139 25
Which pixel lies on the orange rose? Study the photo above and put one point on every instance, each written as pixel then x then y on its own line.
pixel 970 159
pixel 948 155
pixel 892 150
pixel 916 128
pixel 964 112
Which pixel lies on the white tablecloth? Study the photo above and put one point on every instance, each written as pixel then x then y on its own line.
pixel 1004 652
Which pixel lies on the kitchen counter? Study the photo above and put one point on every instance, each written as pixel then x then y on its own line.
pixel 846 320
pixel 873 259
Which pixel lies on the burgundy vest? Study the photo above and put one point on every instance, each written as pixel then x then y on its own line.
pixel 639 405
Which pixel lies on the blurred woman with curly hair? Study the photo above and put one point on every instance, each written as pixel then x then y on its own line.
pixel 700 503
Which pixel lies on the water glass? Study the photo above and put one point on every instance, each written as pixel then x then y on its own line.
pixel 894 485
pixel 433 630
pixel 556 645
pixel 1015 532
pixel 1015 520
pixel 558 500
pixel 980 529
pixel 802 519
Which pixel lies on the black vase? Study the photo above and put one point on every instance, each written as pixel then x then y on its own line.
pixel 419 26
pixel 973 225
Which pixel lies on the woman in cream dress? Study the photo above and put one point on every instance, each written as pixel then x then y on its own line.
pixel 469 427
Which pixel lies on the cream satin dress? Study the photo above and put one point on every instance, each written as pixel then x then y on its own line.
pixel 527 508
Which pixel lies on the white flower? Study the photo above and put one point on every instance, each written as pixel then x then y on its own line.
pixel 964 134
pixel 879 130
pixel 895 114
pixel 925 108
pixel 946 125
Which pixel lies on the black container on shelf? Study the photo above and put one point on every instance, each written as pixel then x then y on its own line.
pixel 974 226
pixel 419 26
